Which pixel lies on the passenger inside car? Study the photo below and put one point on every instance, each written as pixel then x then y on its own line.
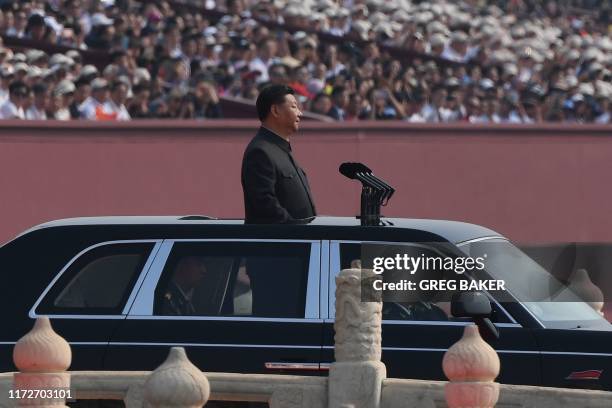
pixel 178 296
pixel 243 279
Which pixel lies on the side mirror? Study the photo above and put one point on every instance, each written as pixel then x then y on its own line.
pixel 476 305
pixel 470 304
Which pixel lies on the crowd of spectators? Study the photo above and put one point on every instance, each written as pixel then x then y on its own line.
pixel 515 61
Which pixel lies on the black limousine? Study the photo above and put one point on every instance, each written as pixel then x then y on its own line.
pixel 122 290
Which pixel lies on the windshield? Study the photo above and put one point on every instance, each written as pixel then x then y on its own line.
pixel 548 299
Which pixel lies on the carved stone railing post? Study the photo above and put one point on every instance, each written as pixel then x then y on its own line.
pixel 355 378
pixel 471 365
pixel 42 357
pixel 177 383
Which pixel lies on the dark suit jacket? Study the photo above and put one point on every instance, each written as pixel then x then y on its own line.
pixel 275 188
pixel 336 113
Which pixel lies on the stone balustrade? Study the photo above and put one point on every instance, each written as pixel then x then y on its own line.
pixel 471 365
pixel 176 383
pixel 42 357
pixel 357 379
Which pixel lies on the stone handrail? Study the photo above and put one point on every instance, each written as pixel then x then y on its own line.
pixel 396 393
pixel 357 378
pixel 129 387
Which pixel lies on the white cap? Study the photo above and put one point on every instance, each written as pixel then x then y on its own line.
pixel 99 19
pixel 99 83
pixel 141 75
pixel 362 28
pixel 88 70
pixel 21 66
pixel 64 87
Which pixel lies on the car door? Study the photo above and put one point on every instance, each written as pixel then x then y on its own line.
pixel 91 295
pixel 236 305
pixel 576 358
pixel 415 348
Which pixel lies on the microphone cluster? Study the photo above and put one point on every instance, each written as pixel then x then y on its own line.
pixel 374 191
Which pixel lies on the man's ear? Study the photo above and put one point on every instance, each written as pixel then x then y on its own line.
pixel 274 110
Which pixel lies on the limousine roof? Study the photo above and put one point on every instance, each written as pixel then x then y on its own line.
pixel 453 231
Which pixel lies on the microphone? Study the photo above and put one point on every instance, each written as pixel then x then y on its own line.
pixel 350 169
pixel 374 191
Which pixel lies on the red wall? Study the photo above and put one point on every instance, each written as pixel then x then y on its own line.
pixel 533 184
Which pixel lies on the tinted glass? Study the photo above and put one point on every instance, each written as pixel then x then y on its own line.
pixel 434 306
pixel 99 281
pixel 553 302
pixel 234 279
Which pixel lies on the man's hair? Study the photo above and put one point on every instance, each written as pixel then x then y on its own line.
pixel 18 88
pixel 271 95
pixel 319 96
pixel 39 89
pixel 116 84
pixel 337 91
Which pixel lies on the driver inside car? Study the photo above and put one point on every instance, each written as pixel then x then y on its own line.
pixel 178 297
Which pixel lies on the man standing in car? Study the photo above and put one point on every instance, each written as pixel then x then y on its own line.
pixel 275 188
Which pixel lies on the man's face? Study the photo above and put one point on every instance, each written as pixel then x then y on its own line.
pixel 190 271
pixel 190 47
pixel 322 105
pixel 120 94
pixel 287 114
pixel 143 95
pixel 65 100
pixel 342 99
pixel 269 49
pixel 37 32
pixel 452 100
pixel 195 273
pixel 460 46
pixel 41 99
pixel 82 92
pixel 122 61
pixel 439 96
pixel 100 94
pixel 301 75
pixel 20 99
pixel 354 103
pixel 278 75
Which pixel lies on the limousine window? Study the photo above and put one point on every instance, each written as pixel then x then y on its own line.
pixel 546 297
pixel 99 281
pixel 433 305
pixel 234 279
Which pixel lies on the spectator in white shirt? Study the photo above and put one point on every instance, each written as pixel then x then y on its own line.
pixel 93 107
pixel 41 99
pixel 508 113
pixel 63 97
pixel 456 49
pixel 115 106
pixel 413 105
pixel 453 110
pixel 267 53
pixel 431 111
pixel 7 74
pixel 13 107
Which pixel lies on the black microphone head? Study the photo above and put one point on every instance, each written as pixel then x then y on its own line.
pixel 362 168
pixel 350 169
